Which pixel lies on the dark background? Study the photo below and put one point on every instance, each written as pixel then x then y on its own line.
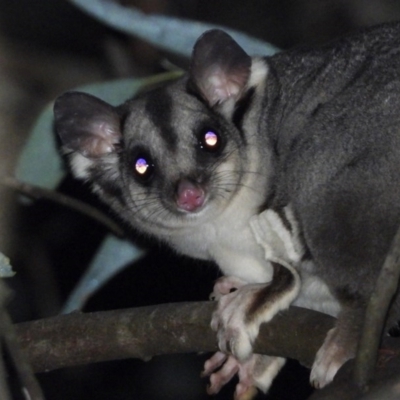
pixel 47 47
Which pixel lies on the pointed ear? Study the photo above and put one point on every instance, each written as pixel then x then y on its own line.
pixel 87 124
pixel 220 68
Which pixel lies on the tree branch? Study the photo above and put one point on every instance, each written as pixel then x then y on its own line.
pixel 375 316
pixel 77 338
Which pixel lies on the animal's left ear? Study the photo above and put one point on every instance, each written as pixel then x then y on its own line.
pixel 220 68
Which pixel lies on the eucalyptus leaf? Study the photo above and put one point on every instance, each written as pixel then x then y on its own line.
pixel 175 35
pixel 113 256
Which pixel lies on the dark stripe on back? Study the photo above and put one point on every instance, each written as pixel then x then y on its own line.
pixel 269 201
pixel 242 106
pixel 286 223
pixel 159 108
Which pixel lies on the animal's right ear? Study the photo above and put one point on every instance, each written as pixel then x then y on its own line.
pixel 87 125
pixel 220 68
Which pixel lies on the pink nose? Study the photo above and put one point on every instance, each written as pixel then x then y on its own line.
pixel 190 196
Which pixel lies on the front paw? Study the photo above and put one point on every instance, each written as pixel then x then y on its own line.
pixel 238 318
pixel 240 313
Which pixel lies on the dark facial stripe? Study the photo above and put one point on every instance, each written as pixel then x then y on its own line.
pixel 111 188
pixel 159 108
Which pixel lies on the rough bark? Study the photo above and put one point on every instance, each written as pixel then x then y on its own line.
pixel 78 338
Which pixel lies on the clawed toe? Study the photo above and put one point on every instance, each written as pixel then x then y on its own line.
pixel 257 372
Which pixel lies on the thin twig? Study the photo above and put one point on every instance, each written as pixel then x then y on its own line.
pixel 376 312
pixel 4 392
pixel 25 373
pixel 36 192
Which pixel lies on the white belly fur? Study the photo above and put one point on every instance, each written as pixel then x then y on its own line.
pixel 315 295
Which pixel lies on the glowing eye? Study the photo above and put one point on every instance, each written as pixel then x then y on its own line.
pixel 210 141
pixel 143 167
